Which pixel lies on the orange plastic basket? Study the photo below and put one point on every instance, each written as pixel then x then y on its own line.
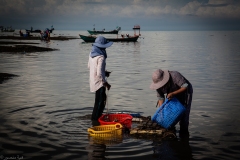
pixel 124 119
pixel 106 130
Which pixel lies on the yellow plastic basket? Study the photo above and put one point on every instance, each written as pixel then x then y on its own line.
pixel 111 140
pixel 106 130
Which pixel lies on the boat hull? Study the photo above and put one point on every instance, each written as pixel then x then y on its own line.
pixel 38 30
pixel 126 39
pixel 35 31
pixel 102 32
pixel 7 30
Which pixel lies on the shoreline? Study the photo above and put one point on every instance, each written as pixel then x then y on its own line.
pixel 24 49
pixel 11 42
pixel 61 38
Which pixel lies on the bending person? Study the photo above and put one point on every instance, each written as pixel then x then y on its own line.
pixel 173 84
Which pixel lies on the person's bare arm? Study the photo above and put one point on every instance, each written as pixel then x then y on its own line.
pixel 172 94
pixel 160 102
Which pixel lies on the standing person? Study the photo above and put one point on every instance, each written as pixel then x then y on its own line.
pixel 42 35
pixel 21 33
pixel 173 84
pixel 97 68
pixel 46 34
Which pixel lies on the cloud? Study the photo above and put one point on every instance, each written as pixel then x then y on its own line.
pixel 107 11
pixel 124 8
pixel 8 7
pixel 219 2
pixel 212 9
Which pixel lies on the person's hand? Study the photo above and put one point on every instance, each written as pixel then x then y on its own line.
pixel 106 84
pixel 107 73
pixel 159 103
pixel 170 95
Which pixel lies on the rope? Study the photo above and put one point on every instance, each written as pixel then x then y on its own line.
pixel 107 100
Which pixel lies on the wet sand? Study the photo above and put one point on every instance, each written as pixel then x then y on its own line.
pixel 9 42
pixel 6 76
pixel 27 48
pixel 24 49
pixel 61 38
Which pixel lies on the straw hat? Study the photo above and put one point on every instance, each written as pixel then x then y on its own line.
pixel 160 78
pixel 102 42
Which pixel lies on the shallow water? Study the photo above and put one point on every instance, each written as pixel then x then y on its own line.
pixel 42 110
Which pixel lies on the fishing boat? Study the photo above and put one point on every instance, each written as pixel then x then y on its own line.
pixel 38 30
pixel 33 31
pixel 51 30
pixel 122 38
pixel 115 31
pixel 8 29
pixel 91 38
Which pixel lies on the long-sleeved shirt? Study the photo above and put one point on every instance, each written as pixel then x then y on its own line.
pixel 97 66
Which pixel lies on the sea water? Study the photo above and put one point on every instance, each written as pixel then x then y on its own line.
pixel 44 110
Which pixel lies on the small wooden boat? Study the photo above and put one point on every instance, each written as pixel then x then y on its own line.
pixel 38 30
pixel 102 32
pixel 120 39
pixel 51 30
pixel 115 31
pixel 33 31
pixel 8 29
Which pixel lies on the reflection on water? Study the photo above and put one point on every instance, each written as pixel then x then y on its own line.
pixel 44 110
pixel 172 149
pixel 96 151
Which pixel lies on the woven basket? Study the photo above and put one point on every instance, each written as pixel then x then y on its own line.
pixel 169 113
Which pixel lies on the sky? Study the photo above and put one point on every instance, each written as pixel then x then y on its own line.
pixel 151 15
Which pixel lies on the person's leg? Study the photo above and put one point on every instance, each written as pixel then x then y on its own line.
pixel 184 122
pixel 100 97
pixel 102 101
pixel 95 108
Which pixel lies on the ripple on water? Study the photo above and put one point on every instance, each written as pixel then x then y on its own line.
pixel 48 130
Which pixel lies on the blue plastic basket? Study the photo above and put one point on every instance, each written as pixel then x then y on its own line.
pixel 169 113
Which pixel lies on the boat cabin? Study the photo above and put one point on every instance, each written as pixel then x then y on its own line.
pixel 136 28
